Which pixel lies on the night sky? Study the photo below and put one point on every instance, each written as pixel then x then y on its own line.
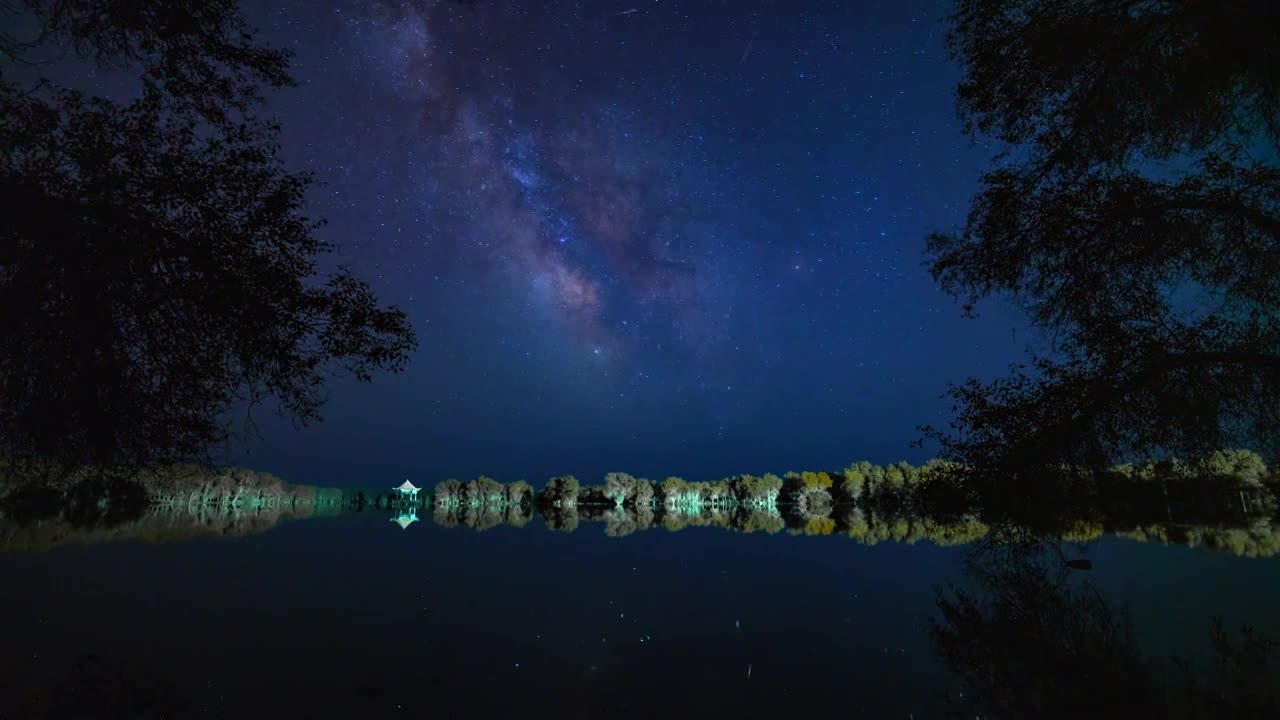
pixel 658 237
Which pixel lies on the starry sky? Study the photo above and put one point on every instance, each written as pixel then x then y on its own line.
pixel 652 236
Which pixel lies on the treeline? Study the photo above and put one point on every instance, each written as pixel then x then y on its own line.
pixel 191 486
pixel 1225 501
pixel 809 490
pixel 158 524
pixel 1230 488
pixel 562 508
pixel 482 503
pixel 1224 483
pixel 39 491
pixel 178 522
pixel 1259 537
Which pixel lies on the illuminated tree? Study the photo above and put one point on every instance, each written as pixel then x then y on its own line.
pixel 560 492
pixel 519 493
pixel 910 474
pixel 625 490
pixel 644 493
pixel 671 489
pixel 894 479
pixel 484 491
pixel 719 492
pixel 851 485
pixel 763 490
pixel 448 493
pixel 873 477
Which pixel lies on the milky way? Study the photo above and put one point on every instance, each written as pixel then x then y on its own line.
pixel 686 238
pixel 582 205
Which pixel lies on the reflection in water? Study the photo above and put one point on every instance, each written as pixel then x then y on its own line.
pixel 1229 506
pixel 405 519
pixel 41 508
pixel 1024 636
pixel 160 524
pixel 1036 639
pixel 175 523
pixel 482 503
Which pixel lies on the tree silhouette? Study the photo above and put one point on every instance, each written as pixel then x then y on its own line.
pixel 1136 213
pixel 156 265
pixel 200 54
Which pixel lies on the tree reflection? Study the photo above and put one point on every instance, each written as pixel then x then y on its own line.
pixel 1225 501
pixel 1032 638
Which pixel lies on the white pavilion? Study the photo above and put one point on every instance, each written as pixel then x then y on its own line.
pixel 407 489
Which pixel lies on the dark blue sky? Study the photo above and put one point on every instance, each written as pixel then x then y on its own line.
pixel 660 237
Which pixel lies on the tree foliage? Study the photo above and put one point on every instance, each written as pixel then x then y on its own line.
pixel 199 54
pixel 157 268
pixel 1135 212
pixel 484 491
pixel 763 489
pixel 626 490
pixel 520 493
pixel 448 493
pixel 560 492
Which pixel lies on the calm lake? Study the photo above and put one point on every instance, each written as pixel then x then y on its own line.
pixel 355 615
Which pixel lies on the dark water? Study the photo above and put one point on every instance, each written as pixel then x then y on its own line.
pixel 350 616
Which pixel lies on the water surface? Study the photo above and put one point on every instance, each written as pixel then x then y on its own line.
pixel 353 615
